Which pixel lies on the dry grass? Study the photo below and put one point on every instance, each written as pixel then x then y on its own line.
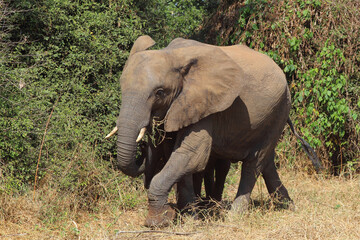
pixel 327 208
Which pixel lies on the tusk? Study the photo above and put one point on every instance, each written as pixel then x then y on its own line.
pixel 112 132
pixel 141 134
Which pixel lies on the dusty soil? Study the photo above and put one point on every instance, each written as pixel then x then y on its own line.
pixel 326 208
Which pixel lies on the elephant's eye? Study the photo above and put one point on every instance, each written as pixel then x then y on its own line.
pixel 160 93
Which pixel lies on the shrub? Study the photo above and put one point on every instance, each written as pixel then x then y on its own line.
pixel 61 64
pixel 316 44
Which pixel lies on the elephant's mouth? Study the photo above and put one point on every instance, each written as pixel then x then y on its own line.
pixel 140 149
pixel 138 139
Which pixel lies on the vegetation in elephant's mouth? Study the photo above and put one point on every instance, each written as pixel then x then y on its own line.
pixel 157 134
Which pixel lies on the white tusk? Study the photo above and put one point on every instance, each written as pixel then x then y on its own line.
pixel 141 134
pixel 112 132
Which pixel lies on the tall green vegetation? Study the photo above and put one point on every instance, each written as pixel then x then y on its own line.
pixel 317 45
pixel 60 63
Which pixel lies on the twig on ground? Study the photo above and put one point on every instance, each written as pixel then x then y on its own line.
pixel 13 235
pixel 158 231
pixel 224 226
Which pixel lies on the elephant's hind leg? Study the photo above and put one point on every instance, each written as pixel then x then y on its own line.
pixel 274 185
pixel 249 174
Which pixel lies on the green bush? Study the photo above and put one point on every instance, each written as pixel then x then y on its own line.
pixel 63 59
pixel 71 64
pixel 316 44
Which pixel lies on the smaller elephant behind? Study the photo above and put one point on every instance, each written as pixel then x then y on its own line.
pixel 214 174
pixel 214 177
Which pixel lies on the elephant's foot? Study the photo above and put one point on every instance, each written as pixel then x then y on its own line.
pixel 287 204
pixel 160 216
pixel 241 204
pixel 283 202
pixel 291 206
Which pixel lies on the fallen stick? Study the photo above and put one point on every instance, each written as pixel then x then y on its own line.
pixel 13 235
pixel 158 231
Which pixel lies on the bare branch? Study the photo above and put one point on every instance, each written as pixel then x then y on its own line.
pixel 158 231
pixel 42 143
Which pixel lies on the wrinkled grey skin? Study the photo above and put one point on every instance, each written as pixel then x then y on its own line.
pixel 230 103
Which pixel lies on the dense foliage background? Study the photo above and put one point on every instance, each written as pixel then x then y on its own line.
pixel 61 61
pixel 316 43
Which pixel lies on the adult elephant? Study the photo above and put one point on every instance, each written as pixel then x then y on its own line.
pixel 228 102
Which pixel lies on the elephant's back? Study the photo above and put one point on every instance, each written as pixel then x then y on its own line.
pixel 260 67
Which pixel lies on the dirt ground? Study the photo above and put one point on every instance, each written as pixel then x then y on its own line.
pixel 326 208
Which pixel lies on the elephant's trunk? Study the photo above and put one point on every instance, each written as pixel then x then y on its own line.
pixel 131 121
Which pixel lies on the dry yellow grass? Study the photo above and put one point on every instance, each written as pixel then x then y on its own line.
pixel 326 208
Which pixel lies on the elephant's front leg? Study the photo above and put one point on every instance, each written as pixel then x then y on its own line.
pixel 191 153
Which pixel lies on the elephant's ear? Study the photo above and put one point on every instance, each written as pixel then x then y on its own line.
pixel 211 82
pixel 141 44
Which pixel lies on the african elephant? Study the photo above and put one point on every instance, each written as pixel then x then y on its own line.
pixel 231 103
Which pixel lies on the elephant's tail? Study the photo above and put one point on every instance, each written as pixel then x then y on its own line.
pixel 308 150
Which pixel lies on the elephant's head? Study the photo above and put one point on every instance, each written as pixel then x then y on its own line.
pixel 179 85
